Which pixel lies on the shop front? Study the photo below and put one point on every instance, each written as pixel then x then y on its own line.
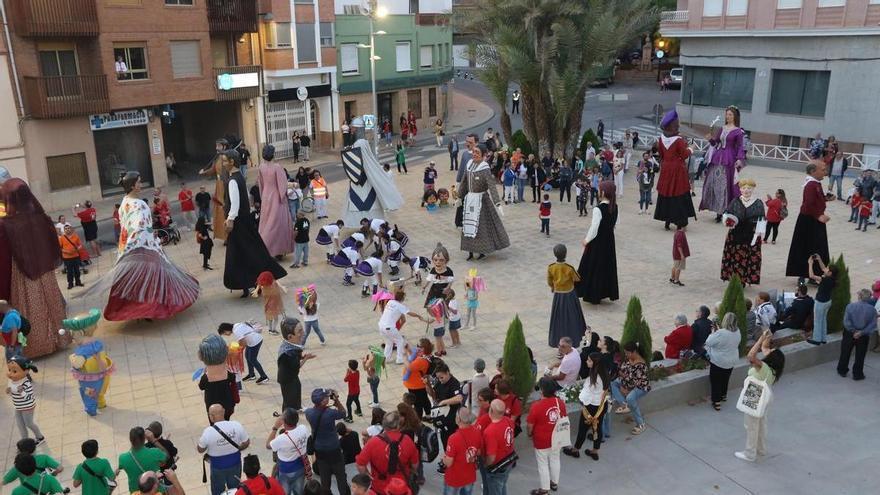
pixel 123 142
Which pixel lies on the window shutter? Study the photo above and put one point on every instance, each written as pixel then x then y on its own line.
pixel 349 55
pixel 404 60
pixel 426 56
pixel 186 59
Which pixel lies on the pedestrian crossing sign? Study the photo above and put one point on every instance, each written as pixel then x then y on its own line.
pixel 369 121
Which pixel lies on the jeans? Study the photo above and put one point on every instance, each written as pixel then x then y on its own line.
pixel 847 344
pixel 594 195
pixel 772 228
pixel 306 152
pixel 644 199
pixel 458 490
pixel 72 267
pixel 863 223
pixel 564 188
pixel 224 478
pixel 581 202
pixel 520 189
pixel 353 400
pixel 301 250
pixel 293 206
pixel 820 320
pixel 292 483
pixel 875 210
pixel 606 424
pixel 312 325
pixel 330 464
pixel 631 400
pixel 189 218
pixel 205 213
pixel 548 466
pixel 836 179
pixel 12 350
pixel 495 483
pixel 453 161
pixel 545 226
pixel 719 379
pixel 373 381
pixel 250 356
pixel 25 421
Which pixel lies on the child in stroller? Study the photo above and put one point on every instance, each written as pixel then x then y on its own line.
pixel 163 224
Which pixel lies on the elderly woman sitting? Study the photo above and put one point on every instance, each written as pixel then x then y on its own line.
pixel 679 339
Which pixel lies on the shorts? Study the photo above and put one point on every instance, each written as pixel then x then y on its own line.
pixel 454 325
pixel 439 331
pixel 679 264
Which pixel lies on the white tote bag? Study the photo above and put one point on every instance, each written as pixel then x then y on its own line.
pixel 562 431
pixel 755 397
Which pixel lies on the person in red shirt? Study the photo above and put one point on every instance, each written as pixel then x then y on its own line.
pixel 462 451
pixel 88 217
pixel 353 379
pixel 360 484
pixel 540 424
pixel 865 207
pixel 512 403
pixel 187 206
pixel 774 214
pixel 257 483
pixel 680 338
pixel 680 253
pixel 117 226
pixel 810 234
pixel 376 454
pixel 497 449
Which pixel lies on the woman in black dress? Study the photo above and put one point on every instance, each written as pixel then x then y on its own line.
pixel 598 267
pixel 291 358
pixel 742 246
pixel 440 277
pixel 217 383
pixel 246 254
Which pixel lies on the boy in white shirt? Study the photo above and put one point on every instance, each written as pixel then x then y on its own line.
pixel 251 340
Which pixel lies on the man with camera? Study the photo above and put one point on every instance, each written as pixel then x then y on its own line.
pixel 223 442
pixel 325 442
pixel 150 482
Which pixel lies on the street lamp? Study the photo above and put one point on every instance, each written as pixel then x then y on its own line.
pixel 374 12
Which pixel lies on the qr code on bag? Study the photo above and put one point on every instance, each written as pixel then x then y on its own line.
pixel 752 396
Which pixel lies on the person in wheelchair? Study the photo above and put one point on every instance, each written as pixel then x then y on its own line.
pixel 163 223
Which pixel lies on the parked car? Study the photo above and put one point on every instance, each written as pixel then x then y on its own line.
pixel 677 76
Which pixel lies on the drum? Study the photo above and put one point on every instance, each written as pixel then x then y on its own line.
pixel 307 205
pixel 365 269
pixel 323 238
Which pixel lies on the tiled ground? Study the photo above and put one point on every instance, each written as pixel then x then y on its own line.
pixel 155 360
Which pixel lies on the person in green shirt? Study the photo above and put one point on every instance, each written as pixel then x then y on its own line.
pixel 34 482
pixel 94 473
pixel 767 370
pixel 44 462
pixel 140 459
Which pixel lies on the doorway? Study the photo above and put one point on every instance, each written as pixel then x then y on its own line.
pixel 385 107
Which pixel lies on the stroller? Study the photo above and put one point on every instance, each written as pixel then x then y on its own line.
pixel 164 229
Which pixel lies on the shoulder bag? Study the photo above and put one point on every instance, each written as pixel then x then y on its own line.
pixel 754 397
pixel 307 465
pixel 110 484
pixel 561 431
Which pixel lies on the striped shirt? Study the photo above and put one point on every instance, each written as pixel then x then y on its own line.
pixel 22 393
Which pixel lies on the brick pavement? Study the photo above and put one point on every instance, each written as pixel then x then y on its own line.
pixel 155 360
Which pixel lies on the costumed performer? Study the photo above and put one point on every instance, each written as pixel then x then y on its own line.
pixel 29 254
pixel 482 230
pixel 674 203
pixel 215 380
pixel 742 246
pixel 215 170
pixel 246 255
pixel 276 224
pixel 810 232
pixel 728 155
pixel 145 283
pixel 21 390
pixel 371 191
pixel 598 266
pixel 89 362
pixel 566 316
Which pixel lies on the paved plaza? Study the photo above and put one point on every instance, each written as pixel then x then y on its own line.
pixel 814 422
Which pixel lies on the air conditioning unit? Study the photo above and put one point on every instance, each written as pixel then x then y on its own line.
pixel 352 9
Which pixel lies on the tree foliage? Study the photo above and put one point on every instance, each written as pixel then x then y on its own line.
pixel 553 50
pixel 840 296
pixel 589 137
pixel 734 301
pixel 519 140
pixel 636 329
pixel 516 363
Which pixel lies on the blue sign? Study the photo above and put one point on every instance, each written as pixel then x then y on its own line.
pixel 224 81
pixel 369 121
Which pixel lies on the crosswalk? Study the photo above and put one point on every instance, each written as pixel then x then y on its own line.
pixel 648 133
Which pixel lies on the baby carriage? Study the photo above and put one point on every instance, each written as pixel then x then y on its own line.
pixel 164 229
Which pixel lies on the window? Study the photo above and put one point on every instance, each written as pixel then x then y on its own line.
pixel 789 141
pixel 130 62
pixel 327 34
pixel 832 3
pixel 178 2
pixel 305 43
pixel 799 92
pixel 186 59
pixel 737 7
pixel 67 171
pixel 278 35
pixel 718 87
pixel 432 101
pixel 413 6
pixel 788 4
pixel 348 54
pixel 712 8
pixel 426 56
pixel 58 62
pixel 351 109
pixel 303 1
pixel 404 59
pixel 414 102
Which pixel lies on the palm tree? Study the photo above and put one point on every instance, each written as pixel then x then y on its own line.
pixel 553 49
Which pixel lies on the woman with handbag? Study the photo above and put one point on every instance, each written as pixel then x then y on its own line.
pixel 594 397
pixel 288 440
pixel 768 371
pixel 541 425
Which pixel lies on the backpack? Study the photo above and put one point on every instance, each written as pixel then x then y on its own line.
pixel 393 456
pixel 429 444
pixel 783 212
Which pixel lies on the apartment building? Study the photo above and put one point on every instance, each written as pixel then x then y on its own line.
pixel 11 145
pixel 463 37
pixel 299 70
pixel 413 65
pixel 104 86
pixel 793 67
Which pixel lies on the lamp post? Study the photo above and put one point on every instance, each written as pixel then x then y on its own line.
pixel 375 12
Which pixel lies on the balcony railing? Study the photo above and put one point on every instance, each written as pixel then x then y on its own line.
pixel 674 16
pixel 432 19
pixel 232 16
pixel 237 82
pixel 65 96
pixel 32 18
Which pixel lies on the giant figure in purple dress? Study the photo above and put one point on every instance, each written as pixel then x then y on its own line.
pixel 726 156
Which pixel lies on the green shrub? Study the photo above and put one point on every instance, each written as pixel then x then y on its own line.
pixel 840 296
pixel 519 140
pixel 636 329
pixel 589 137
pixel 734 301
pixel 516 364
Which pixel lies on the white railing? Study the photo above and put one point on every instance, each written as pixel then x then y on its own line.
pixel 674 16
pixel 763 151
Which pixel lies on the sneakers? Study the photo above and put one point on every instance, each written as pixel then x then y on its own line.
pixel 373 405
pixel 262 380
pixel 638 429
pixel 743 456
pixel 294 266
pixel 273 331
pixel 248 378
pixel 348 420
pixel 41 441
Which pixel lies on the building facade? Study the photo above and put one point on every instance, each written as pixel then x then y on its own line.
pixel 113 85
pixel 794 68
pixel 413 65
pixel 299 69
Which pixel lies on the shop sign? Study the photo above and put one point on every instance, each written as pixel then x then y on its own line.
pixel 116 120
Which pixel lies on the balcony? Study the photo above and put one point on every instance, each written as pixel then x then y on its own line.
pixel 674 18
pixel 65 96
pixel 237 82
pixel 432 19
pixel 232 16
pixel 38 18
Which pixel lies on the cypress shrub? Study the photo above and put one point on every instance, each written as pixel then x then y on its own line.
pixel 516 363
pixel 636 329
pixel 734 301
pixel 589 137
pixel 840 296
